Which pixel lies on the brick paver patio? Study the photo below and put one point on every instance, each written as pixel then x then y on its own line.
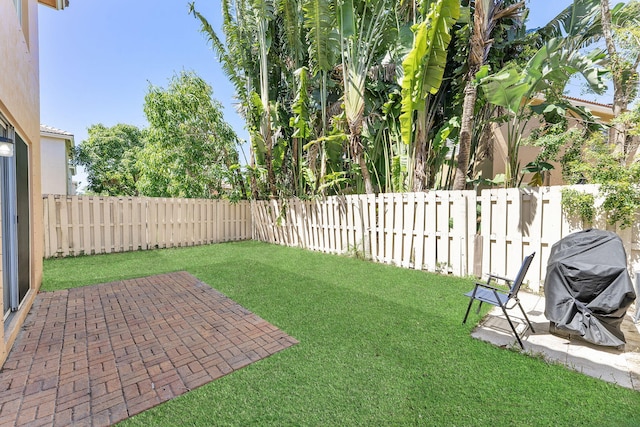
pixel 99 354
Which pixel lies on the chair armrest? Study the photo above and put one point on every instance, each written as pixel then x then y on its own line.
pixel 495 276
pixel 487 286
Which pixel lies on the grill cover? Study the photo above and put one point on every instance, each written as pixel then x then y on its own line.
pixel 588 289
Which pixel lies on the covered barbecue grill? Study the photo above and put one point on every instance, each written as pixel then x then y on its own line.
pixel 588 289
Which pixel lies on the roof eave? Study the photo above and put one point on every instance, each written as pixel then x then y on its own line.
pixel 56 4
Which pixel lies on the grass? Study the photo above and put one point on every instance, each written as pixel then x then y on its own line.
pixel 379 345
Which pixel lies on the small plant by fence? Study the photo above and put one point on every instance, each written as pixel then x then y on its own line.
pixel 85 225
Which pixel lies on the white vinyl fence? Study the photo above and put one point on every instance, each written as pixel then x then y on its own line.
pixel 85 225
pixel 437 231
pixel 432 231
pixel 451 232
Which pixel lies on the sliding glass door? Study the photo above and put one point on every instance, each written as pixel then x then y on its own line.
pixel 14 211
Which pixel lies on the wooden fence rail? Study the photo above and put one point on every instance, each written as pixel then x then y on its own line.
pixel 85 225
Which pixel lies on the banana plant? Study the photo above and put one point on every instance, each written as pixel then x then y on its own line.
pixel 319 20
pixel 261 13
pixel 302 130
pixel 423 71
pixel 579 25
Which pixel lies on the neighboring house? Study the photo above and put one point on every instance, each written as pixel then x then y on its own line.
pixel 21 229
pixel 496 165
pixel 56 148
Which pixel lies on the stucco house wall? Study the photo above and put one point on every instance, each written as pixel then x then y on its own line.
pixel 492 167
pixel 20 108
pixel 55 150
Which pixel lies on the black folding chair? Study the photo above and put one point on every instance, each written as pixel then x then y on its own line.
pixel 485 292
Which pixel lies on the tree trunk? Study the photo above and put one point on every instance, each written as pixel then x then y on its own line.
pixel 420 154
pixel 485 15
pixel 617 132
pixel 479 45
pixel 268 159
pixel 295 167
pixel 466 129
pixel 358 156
pixel 252 180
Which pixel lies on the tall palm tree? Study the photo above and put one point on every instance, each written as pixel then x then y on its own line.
pixel 364 32
pixel 624 75
pixel 586 22
pixel 485 16
pixel 235 58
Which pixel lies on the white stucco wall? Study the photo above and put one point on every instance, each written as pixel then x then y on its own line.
pixel 55 175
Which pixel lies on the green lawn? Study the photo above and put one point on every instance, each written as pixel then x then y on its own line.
pixel 379 345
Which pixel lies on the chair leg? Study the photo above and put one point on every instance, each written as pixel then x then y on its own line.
pixel 479 307
pixel 467 313
pixel 525 316
pixel 513 328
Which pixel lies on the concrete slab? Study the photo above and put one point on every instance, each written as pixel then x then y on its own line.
pixel 619 366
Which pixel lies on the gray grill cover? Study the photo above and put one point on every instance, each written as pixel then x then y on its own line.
pixel 588 289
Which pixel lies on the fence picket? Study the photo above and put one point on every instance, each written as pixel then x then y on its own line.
pixel 379 229
pixel 64 225
pixel 431 226
pixel 419 231
pixel 48 238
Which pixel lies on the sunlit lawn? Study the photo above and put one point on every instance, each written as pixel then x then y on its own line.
pixel 379 345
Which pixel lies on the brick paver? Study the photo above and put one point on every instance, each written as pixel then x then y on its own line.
pixel 99 354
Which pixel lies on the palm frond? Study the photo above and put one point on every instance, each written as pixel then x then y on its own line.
pixel 290 12
pixel 320 23
pixel 578 24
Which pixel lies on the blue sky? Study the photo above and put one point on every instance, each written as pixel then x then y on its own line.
pixel 98 58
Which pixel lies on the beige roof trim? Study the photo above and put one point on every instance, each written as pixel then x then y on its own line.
pixel 596 108
pixel 56 4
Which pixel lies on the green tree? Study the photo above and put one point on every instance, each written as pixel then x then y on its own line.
pixel 358 120
pixel 585 23
pixel 190 151
pixel 319 19
pixel 593 160
pixel 366 31
pixel 110 156
pixel 262 49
